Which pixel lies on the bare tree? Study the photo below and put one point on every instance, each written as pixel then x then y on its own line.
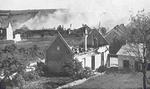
pixel 140 34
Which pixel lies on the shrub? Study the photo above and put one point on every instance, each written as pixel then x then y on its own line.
pixel 87 72
pixel 72 68
pixel 10 48
pixel 75 70
pixel 30 76
pixel 41 69
pixel 18 80
pixel 101 69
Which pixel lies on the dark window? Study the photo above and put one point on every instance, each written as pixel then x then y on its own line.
pixel 93 62
pixel 102 59
pixel 125 63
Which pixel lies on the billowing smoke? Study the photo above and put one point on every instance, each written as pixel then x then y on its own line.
pixel 108 13
pixel 45 19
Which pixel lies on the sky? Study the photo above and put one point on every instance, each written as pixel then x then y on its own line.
pixel 106 12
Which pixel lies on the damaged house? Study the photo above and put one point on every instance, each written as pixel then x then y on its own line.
pixel 93 54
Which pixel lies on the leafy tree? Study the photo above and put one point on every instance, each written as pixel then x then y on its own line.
pixel 14 60
pixel 11 62
pixel 140 33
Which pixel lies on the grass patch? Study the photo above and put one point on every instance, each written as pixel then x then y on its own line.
pixel 116 80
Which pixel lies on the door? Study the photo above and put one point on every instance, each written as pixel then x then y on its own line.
pixel 138 66
pixel 93 62
pixel 102 59
pixel 126 64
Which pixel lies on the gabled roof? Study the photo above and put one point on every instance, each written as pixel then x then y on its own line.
pixel 131 50
pixel 74 41
pixel 100 35
pixel 114 38
pixel 63 40
pixel 117 32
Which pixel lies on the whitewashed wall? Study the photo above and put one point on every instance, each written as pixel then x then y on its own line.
pixel 86 59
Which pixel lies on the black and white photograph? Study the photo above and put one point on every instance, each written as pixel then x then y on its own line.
pixel 74 44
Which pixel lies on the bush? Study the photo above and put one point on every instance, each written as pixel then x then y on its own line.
pixel 41 69
pixel 101 69
pixel 87 72
pixel 72 68
pixel 76 71
pixel 30 76
pixel 18 80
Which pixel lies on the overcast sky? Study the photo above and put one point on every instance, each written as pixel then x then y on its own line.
pixel 107 11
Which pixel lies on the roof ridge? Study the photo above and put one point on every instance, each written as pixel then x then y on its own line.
pixel 101 35
pixel 65 42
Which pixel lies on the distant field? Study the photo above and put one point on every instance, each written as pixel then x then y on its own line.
pixel 113 81
pixel 41 42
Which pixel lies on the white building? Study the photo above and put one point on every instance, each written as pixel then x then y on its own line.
pixel 95 58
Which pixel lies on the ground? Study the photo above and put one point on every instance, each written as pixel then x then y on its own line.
pixel 113 81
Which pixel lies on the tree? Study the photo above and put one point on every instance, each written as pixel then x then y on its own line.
pixel 140 33
pixel 14 60
pixel 11 61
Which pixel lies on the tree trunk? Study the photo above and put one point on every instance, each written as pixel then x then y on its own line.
pixel 144 74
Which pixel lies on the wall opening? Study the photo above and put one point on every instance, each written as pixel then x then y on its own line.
pixel 126 64
pixel 102 59
pixel 93 62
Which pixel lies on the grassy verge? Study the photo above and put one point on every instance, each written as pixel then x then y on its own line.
pixel 113 81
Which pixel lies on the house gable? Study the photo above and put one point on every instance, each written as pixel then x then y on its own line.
pixel 95 39
pixel 58 49
pixel 57 54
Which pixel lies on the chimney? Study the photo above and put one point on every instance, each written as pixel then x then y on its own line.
pixel 86 35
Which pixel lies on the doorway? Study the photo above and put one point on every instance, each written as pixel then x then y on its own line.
pixel 126 64
pixel 93 62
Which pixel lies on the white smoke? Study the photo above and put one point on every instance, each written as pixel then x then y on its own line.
pixel 108 12
pixel 60 17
